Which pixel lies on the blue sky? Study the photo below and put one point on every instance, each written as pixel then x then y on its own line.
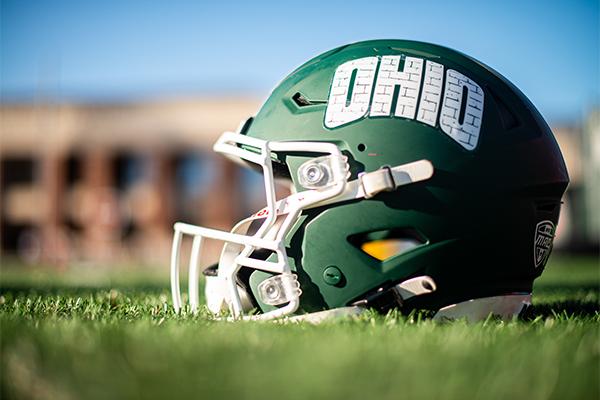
pixel 124 50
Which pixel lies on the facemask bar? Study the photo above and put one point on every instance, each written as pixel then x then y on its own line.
pixel 229 145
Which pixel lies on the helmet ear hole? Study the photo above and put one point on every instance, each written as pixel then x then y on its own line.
pixel 385 244
pixel 361 147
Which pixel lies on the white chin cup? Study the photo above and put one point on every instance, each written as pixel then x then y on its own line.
pixel 217 296
pixel 215 291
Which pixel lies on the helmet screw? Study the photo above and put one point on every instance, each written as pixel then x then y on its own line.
pixel 332 275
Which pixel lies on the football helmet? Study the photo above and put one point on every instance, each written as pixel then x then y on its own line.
pixel 422 179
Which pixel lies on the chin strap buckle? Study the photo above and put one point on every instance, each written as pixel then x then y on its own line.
pixel 378 181
pixel 415 287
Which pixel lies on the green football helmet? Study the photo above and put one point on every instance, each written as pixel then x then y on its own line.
pixel 422 179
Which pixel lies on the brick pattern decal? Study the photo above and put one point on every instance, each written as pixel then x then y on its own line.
pixel 431 93
pixel 388 78
pixel 347 104
pixel 467 133
pixel 338 112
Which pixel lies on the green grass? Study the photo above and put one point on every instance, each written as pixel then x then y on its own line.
pixel 84 334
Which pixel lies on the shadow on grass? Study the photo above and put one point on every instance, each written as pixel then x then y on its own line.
pixel 553 287
pixel 569 309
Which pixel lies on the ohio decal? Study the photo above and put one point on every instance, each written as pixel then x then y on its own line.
pixel 410 88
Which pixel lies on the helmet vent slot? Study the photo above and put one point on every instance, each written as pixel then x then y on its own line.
pixel 303 101
pixel 386 244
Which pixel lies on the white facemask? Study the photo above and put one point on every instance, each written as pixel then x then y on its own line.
pixel 326 179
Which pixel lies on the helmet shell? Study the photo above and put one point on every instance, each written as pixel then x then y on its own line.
pixel 476 219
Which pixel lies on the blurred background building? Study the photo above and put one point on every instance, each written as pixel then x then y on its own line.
pixel 109 110
pixel 105 183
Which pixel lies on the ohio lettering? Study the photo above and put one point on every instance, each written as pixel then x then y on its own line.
pixel 389 86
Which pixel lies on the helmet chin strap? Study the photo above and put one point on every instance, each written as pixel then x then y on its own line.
pixel 386 298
